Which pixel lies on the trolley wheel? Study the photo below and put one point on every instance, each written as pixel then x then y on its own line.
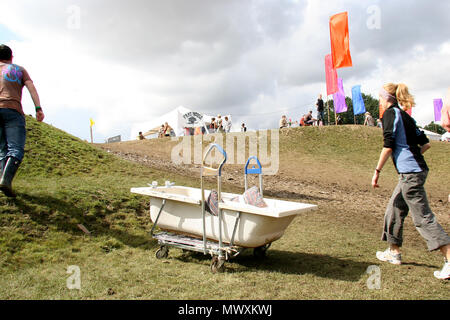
pixel 260 252
pixel 162 252
pixel 217 265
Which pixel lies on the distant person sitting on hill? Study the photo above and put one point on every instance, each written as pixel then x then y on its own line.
pixel 243 128
pixel 283 122
pixel 161 131
pixel 212 125
pixel 167 130
pixel 308 119
pixel 379 123
pixel 12 118
pixel 141 136
pixel 368 120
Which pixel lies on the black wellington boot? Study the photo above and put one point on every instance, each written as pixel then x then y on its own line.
pixel 2 165
pixel 8 173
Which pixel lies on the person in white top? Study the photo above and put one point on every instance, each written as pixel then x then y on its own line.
pixel 227 124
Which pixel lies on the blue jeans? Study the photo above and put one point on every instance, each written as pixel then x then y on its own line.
pixel 12 134
pixel 321 115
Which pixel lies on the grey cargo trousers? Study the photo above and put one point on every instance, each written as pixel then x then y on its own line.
pixel 410 196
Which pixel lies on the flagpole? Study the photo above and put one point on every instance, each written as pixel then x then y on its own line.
pixel 335 114
pixel 92 140
pixel 328 113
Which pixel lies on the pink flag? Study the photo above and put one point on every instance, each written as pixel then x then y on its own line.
pixel 437 109
pixel 330 75
pixel 339 98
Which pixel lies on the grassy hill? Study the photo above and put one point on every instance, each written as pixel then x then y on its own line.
pixel 344 155
pixel 64 182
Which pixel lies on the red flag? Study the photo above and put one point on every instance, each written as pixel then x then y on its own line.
pixel 340 46
pixel 330 75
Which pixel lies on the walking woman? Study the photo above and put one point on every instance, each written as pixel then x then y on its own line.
pixel 405 143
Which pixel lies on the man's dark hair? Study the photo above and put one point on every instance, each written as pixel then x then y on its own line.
pixel 5 52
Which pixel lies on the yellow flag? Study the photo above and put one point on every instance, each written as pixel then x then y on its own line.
pixel 92 122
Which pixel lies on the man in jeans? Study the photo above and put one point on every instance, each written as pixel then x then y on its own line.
pixel 12 119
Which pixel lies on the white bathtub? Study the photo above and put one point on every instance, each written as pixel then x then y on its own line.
pixel 182 214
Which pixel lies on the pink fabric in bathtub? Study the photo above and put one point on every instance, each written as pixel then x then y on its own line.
pixel 253 197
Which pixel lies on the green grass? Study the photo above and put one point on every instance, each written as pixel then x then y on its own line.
pixel 64 182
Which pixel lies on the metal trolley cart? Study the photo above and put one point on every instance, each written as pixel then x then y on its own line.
pixel 219 251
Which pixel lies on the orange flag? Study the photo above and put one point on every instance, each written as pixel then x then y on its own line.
pixel 380 111
pixel 340 46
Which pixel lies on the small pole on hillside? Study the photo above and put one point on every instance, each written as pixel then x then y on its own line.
pixel 91 124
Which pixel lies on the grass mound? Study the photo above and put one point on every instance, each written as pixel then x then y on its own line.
pixel 61 183
pixel 53 152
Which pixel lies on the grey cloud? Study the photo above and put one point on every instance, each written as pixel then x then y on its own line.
pixel 221 55
pixel 404 25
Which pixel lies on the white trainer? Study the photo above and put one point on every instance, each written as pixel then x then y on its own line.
pixel 389 256
pixel 444 274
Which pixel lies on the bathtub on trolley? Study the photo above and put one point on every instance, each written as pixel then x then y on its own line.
pixel 243 225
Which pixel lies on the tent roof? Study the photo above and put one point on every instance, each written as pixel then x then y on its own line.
pixel 151 131
pixel 432 135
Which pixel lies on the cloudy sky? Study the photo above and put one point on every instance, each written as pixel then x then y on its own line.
pixel 124 62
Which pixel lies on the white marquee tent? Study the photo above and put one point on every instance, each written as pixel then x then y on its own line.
pixel 179 118
pixel 432 135
pixel 446 137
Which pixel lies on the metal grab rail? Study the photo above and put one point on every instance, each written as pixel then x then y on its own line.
pixel 210 171
pixel 253 170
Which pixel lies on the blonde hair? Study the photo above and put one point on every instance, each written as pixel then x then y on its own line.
pixel 401 92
